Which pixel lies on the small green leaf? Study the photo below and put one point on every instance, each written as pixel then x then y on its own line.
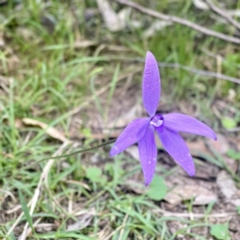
pixel 232 154
pixel 95 174
pixel 157 189
pixel 25 209
pixel 87 132
pixel 229 123
pixel 220 231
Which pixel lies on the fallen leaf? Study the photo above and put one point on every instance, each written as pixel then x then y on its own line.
pixel 228 188
pixel 201 195
pixel 51 131
pixel 111 19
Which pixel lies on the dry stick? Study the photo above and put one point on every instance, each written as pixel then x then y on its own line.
pixel 222 13
pixel 35 197
pixel 15 209
pixel 237 129
pixel 200 72
pixel 186 68
pixel 161 64
pixel 181 21
pixel 195 215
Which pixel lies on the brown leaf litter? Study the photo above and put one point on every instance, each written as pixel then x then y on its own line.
pixel 51 131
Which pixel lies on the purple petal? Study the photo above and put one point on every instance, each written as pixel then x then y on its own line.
pixel 151 87
pixel 130 135
pixel 148 155
pixel 177 149
pixel 183 123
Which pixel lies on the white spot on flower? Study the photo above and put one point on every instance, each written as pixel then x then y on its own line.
pixel 157 123
pixel 189 155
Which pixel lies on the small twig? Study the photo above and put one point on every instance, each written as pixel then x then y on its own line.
pixel 195 215
pixel 222 13
pixel 201 72
pixel 15 209
pixel 181 21
pixel 237 129
pixel 186 68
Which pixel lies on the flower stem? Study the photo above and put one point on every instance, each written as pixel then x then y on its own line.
pixel 73 153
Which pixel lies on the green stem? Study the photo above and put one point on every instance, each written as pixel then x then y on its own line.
pixel 73 153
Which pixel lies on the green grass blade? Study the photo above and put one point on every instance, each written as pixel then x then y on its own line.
pixel 25 209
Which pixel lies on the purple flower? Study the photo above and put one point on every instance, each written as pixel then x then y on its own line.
pixel 167 126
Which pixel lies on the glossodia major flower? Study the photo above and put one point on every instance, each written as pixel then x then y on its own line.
pixel 167 126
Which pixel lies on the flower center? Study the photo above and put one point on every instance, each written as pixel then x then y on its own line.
pixel 157 121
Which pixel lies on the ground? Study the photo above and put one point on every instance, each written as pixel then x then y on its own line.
pixel 70 79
